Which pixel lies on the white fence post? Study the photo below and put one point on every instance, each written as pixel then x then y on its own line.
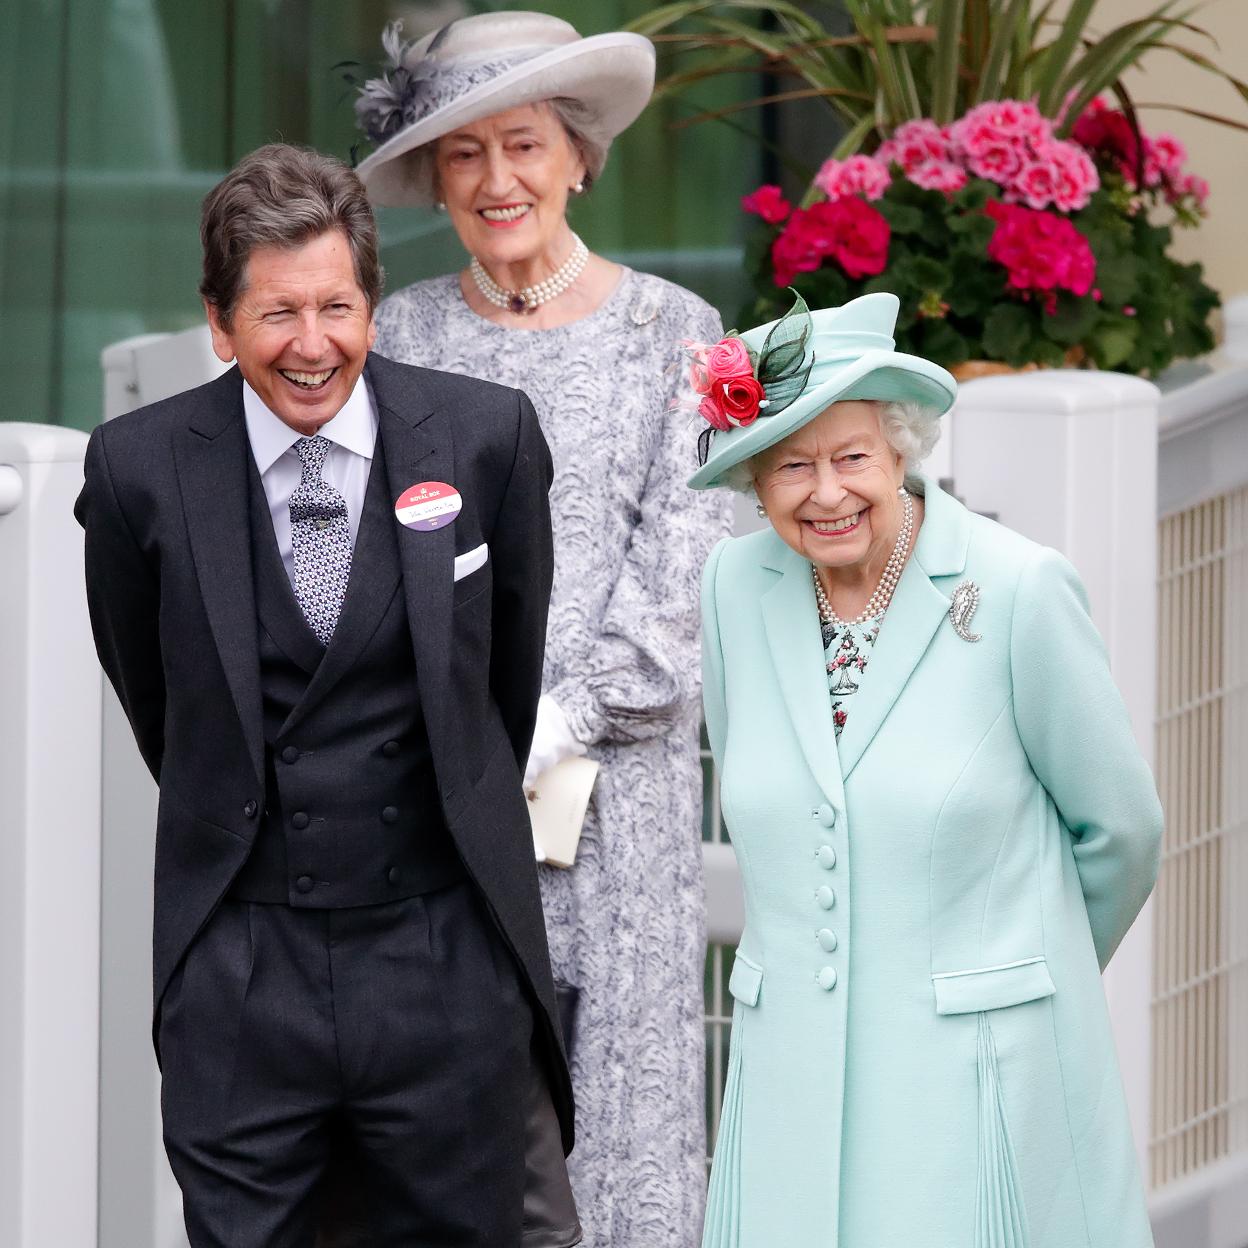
pixel 1070 459
pixel 49 849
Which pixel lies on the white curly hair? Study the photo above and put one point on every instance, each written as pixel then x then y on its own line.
pixel 911 429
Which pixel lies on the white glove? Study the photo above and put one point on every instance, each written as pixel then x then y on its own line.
pixel 552 741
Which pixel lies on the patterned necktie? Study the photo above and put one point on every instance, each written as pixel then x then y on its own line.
pixel 321 538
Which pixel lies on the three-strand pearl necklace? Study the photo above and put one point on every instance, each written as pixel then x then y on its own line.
pixel 530 298
pixel 888 582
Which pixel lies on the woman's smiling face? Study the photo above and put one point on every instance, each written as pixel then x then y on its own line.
pixel 505 182
pixel 830 489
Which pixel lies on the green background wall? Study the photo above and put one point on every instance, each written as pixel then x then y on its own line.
pixel 116 116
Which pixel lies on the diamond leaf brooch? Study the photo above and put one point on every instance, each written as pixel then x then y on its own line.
pixel 965 600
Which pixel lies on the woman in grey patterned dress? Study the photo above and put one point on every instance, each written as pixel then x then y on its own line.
pixel 593 345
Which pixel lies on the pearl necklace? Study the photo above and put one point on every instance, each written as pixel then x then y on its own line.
pixel 888 582
pixel 530 298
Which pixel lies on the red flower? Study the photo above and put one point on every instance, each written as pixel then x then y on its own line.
pixel 795 251
pixel 740 399
pixel 1041 252
pixel 767 202
pixel 839 718
pixel 848 231
pixel 1107 131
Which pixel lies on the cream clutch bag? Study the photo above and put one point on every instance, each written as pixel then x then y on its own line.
pixel 557 808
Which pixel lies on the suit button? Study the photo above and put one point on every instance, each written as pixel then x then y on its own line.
pixel 826 979
pixel 250 808
pixel 304 883
pixel 825 897
pixel 299 820
pixel 826 815
pixel 391 749
pixel 290 754
pixel 826 857
pixel 393 875
pixel 827 939
pixel 390 814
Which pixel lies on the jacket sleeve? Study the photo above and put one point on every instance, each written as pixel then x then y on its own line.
pixel 1074 727
pixel 714 696
pixel 639 677
pixel 123 596
pixel 522 553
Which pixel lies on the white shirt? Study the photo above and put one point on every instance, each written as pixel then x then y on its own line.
pixel 353 431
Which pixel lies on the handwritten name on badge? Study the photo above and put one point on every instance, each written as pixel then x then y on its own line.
pixel 428 505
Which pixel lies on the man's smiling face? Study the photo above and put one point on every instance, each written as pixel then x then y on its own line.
pixel 301 329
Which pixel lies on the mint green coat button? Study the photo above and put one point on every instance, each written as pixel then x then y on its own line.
pixel 827 939
pixel 825 897
pixel 826 857
pixel 826 979
pixel 826 815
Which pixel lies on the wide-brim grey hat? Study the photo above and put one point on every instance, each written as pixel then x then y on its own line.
pixel 853 358
pixel 478 66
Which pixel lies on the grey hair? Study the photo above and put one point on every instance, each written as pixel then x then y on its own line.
pixel 283 196
pixel 911 429
pixel 579 122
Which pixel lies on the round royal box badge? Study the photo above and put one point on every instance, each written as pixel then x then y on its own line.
pixel 428 505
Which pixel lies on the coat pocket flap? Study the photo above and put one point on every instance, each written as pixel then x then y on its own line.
pixel 746 980
pixel 992 987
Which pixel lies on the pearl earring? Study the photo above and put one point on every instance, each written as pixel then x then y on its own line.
pixel 762 511
pixel 579 188
pixel 440 206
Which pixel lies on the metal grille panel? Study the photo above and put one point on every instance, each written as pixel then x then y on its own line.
pixel 1200 954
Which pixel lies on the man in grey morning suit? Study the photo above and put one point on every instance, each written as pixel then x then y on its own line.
pixel 336 695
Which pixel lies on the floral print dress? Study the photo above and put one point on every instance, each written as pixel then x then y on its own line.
pixel 846 651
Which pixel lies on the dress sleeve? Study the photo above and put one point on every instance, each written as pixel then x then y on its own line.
pixel 640 677
pixel 1074 727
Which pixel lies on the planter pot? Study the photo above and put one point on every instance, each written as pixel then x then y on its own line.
pixel 970 370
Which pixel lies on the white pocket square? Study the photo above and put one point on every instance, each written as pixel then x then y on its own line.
pixel 471 560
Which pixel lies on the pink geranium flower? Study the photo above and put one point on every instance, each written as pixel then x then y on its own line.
pixel 914 144
pixel 859 175
pixel 938 175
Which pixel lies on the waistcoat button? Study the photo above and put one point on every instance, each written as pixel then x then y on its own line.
pixel 827 939
pixel 304 883
pixel 290 754
pixel 826 856
pixel 826 979
pixel 390 814
pixel 250 808
pixel 825 897
pixel 391 749
pixel 299 820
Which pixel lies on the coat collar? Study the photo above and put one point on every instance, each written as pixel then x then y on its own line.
pixel 920 602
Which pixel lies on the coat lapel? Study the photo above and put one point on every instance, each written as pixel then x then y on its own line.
pixel 791 621
pixel 211 459
pixel 417 451
pixel 917 610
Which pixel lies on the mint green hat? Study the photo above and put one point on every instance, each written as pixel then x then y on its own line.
pixel 850 354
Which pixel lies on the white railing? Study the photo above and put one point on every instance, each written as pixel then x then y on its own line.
pixel 49 849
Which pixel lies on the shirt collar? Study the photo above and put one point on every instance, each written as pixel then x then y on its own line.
pixel 354 428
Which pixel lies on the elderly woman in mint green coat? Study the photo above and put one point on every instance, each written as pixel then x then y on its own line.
pixel 944 829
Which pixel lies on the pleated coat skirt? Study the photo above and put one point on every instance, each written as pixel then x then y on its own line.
pixel 921 1052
